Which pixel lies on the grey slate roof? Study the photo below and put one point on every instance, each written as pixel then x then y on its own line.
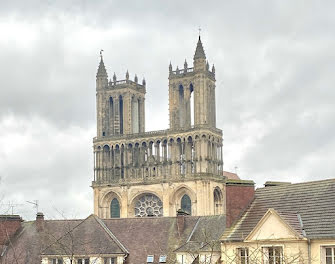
pixel 313 202
pixel 89 237
pixel 206 235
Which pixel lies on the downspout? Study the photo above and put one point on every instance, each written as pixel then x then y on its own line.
pixel 309 251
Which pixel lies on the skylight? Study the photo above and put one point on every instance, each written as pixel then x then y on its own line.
pixel 162 259
pixel 150 258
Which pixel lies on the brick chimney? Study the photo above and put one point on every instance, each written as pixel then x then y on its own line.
pixel 9 225
pixel 39 221
pixel 239 194
pixel 181 220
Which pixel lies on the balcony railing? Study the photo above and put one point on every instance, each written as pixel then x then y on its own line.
pixel 165 132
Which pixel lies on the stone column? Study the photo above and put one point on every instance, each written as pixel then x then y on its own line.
pixel 94 165
pixel 135 115
pixel 204 150
pixel 188 156
pixel 150 154
pixel 142 115
pixel 157 152
pixel 170 160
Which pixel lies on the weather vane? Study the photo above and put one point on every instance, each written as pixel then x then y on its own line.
pixel 101 53
pixel 199 30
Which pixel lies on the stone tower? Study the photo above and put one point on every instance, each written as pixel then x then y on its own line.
pixel 138 173
pixel 120 104
pixel 198 80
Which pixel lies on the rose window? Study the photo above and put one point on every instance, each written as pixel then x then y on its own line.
pixel 148 205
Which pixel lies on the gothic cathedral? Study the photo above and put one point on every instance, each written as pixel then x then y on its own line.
pixel 157 173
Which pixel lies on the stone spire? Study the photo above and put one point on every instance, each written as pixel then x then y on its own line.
pixel 199 52
pixel 114 77
pixel 136 79
pixel 127 75
pixel 101 70
pixel 213 69
pixel 170 67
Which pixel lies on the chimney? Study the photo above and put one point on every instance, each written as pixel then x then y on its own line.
pixel 181 220
pixel 239 195
pixel 9 225
pixel 39 221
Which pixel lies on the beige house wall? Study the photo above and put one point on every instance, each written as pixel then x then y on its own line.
pixel 273 231
pixel 294 252
pixel 204 257
pixel 318 250
pixel 93 259
pixel 201 193
pixel 291 249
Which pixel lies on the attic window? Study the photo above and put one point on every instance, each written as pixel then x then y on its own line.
pixel 162 259
pixel 150 259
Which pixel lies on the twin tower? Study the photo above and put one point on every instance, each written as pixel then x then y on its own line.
pixel 157 173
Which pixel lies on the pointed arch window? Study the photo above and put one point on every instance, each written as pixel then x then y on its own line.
pixel 186 204
pixel 115 208
pixel 218 207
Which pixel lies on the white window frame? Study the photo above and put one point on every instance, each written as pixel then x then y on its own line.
pixel 239 255
pixel 109 260
pixel 324 253
pixel 150 258
pixel 83 260
pixel 266 257
pixel 58 260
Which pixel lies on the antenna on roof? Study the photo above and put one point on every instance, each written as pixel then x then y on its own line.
pixel 11 206
pixel 35 203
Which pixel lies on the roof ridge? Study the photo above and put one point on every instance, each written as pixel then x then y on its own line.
pixel 147 218
pixel 295 184
pixel 110 233
pixel 193 230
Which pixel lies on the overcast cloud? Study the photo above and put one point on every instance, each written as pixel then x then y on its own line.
pixel 275 94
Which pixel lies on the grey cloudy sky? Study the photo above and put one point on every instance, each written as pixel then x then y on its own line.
pixel 275 94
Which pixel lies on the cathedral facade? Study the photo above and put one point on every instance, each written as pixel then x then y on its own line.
pixel 157 173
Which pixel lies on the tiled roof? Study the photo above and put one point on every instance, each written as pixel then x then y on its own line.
pixel 89 237
pixel 150 236
pixel 206 234
pixel 134 237
pixel 312 202
pixel 230 175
